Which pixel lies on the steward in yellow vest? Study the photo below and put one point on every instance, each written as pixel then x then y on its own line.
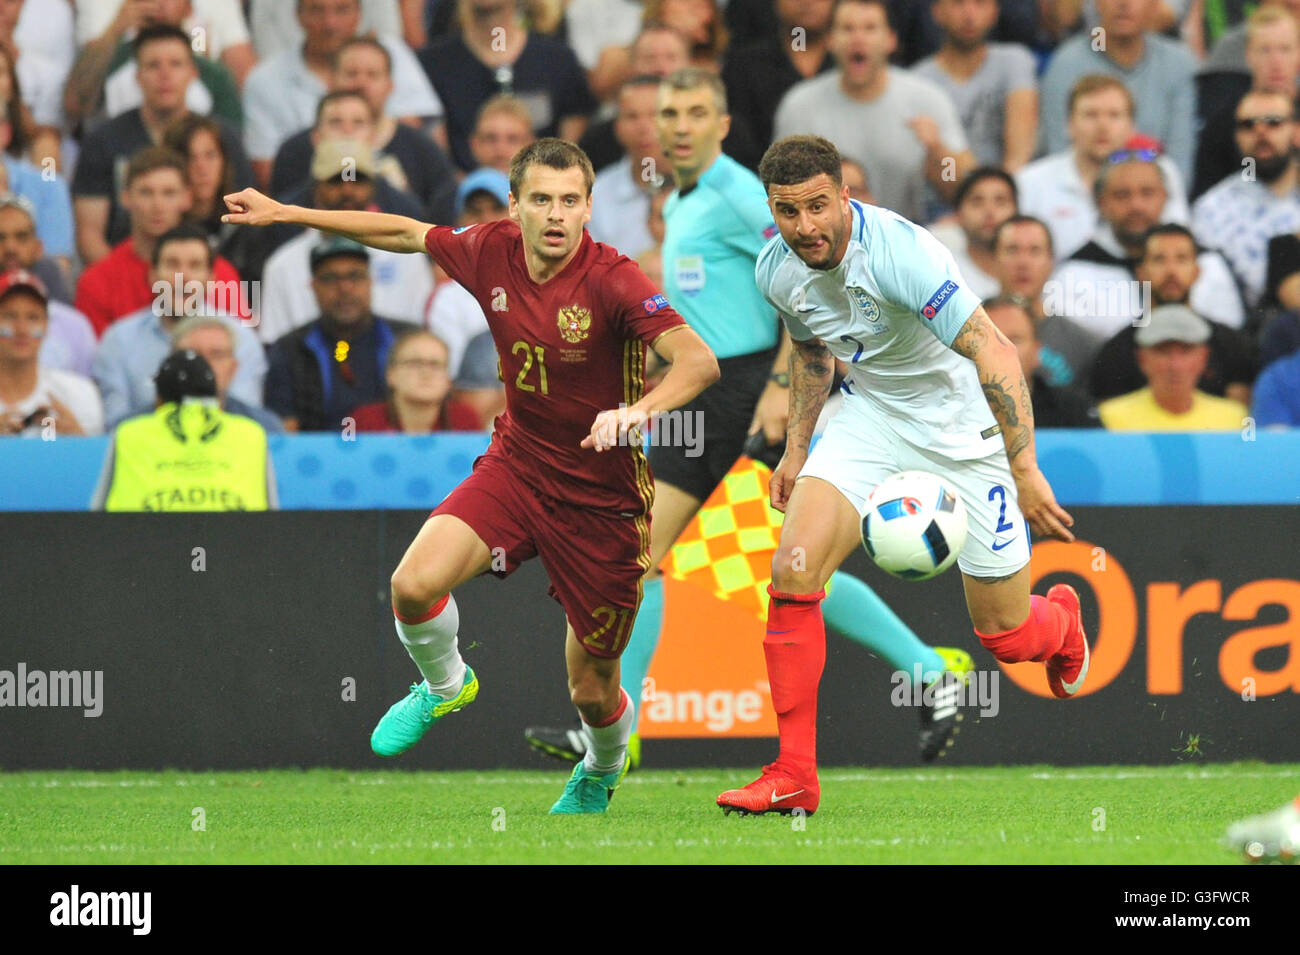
pixel 188 455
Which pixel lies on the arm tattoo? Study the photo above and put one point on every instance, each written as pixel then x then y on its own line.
pixel 1004 387
pixel 810 378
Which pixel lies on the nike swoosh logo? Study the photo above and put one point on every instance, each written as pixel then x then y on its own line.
pixel 776 799
pixel 997 546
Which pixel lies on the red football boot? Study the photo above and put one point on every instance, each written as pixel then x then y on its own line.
pixel 774 791
pixel 1067 669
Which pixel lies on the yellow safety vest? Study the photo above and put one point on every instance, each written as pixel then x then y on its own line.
pixel 188 456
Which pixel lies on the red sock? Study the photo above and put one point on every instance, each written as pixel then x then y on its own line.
pixel 1038 638
pixel 795 648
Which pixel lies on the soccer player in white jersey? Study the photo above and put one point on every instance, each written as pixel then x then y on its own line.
pixel 932 386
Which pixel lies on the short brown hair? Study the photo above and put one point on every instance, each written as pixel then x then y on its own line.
pixel 1095 83
pixel 505 103
pixel 694 78
pixel 797 159
pixel 152 158
pixel 554 154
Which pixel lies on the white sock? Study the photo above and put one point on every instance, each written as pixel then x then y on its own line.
pixel 607 745
pixel 432 645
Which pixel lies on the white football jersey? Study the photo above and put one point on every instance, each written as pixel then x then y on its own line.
pixel 890 309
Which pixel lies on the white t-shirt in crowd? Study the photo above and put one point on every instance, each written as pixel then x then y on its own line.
pixel 400 287
pixel 76 392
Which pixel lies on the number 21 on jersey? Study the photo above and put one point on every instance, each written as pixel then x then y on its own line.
pixel 533 355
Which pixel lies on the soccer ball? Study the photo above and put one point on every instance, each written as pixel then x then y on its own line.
pixel 915 525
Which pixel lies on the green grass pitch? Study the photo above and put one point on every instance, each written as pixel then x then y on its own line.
pixel 1041 814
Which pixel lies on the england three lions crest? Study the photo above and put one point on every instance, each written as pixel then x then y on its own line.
pixel 575 323
pixel 866 307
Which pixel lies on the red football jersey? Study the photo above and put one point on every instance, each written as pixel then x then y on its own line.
pixel 569 349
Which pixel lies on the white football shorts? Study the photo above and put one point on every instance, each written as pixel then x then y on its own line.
pixel 856 452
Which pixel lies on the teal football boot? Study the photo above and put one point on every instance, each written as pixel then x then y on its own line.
pixel 409 719
pixel 586 792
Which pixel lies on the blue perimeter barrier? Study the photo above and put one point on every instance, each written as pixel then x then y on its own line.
pixel 399 472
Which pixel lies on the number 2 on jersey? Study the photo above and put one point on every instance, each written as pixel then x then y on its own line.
pixel 528 350
pixel 998 491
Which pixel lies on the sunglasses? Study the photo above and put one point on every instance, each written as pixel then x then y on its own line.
pixel 1133 155
pixel 1272 122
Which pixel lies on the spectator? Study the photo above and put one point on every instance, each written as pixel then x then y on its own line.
pixel 419 388
pixel 651 260
pixel 156 198
pixel 452 313
pixel 758 74
pixel 69 342
pixel 621 193
pixel 1022 250
pixel 503 127
pixel 985 199
pixel 411 161
pixel 495 53
pixel 1096 287
pixel 343 115
pixel 164 66
pixel 133 347
pixel 1168 266
pixel 902 129
pixel 1273 53
pixel 992 84
pixel 282 92
pixel 1228 53
pixel 320 373
pixel 276 25
pixel 456 316
pixel 855 177
pixel 1157 70
pixel 217 340
pixel 211 176
pixel 34 399
pixel 40 75
pixel 1172 353
pixel 188 455
pixel 47 195
pixel 398 283
pixel 104 69
pixel 699 21
pixel 1250 206
pixel 657 51
pixel 1058 188
pixel 1054 406
pixel 600 32
pixel 1277 394
pixel 339 180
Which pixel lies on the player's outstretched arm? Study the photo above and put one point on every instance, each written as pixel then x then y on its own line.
pixel 693 368
pixel 379 230
pixel 1008 396
pixel 812 369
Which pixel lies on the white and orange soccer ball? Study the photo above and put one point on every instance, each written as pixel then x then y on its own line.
pixel 915 525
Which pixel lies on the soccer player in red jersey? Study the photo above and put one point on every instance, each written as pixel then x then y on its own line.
pixel 565 478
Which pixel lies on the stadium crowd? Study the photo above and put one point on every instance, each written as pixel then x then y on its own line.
pixel 1118 179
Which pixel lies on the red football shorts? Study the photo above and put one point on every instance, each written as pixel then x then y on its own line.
pixel 595 559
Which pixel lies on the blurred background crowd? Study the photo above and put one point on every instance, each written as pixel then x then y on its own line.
pixel 1117 178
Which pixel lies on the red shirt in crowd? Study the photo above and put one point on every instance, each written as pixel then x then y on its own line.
pixel 118 284
pixel 379 416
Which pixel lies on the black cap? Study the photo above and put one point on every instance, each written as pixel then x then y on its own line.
pixel 335 245
pixel 185 374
